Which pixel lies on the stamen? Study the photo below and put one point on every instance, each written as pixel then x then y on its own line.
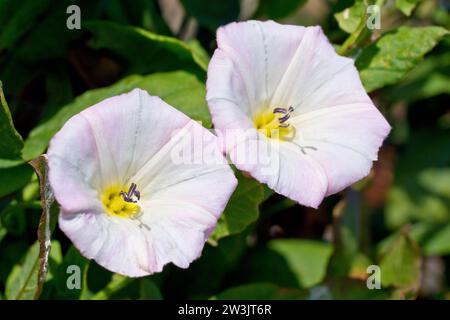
pixel 280 110
pixel 132 191
pixel 284 118
pixel 278 127
pixel 302 148
pixel 120 204
pixel 274 123
pixel 286 115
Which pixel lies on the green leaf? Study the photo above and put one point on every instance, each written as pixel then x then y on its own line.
pixel 349 228
pixel 3 231
pixel 438 244
pixel 403 207
pixel 14 178
pixel 11 142
pixel 242 209
pixel 436 180
pixel 346 230
pixel 13 218
pixel 59 91
pixel 306 258
pixel 18 17
pixel 212 13
pixel 388 59
pixel 202 57
pixel 47 221
pixel 260 291
pixel 400 263
pixel 208 273
pixel 23 281
pixel 432 238
pixel 351 289
pixel 179 89
pixel 275 9
pixel 407 6
pixel 142 13
pixel 349 19
pixel 46 44
pixel 4 163
pixel 11 253
pixel 430 78
pixel 420 190
pixel 149 290
pixel 143 51
pixel 290 263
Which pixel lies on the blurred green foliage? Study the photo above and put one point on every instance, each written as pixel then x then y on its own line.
pixel 11 142
pixel 265 246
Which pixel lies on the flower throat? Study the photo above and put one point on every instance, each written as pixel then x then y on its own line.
pixel 119 203
pixel 275 123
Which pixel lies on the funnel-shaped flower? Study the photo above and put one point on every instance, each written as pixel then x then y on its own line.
pixel 124 201
pixel 294 96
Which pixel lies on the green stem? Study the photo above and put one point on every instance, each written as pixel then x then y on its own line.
pixel 117 283
pixel 361 33
pixel 354 38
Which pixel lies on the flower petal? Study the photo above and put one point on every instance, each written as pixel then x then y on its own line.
pixel 122 132
pixel 317 77
pixel 74 167
pixel 250 61
pixel 263 65
pixel 282 167
pixel 117 244
pixel 346 139
pixel 131 138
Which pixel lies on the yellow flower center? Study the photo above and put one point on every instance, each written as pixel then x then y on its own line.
pixel 114 202
pixel 274 123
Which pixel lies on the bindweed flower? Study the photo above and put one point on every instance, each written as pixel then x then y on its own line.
pixel 123 201
pixel 281 95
